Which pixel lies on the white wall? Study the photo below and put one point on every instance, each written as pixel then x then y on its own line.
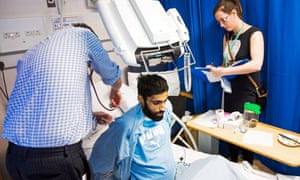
pixel 38 8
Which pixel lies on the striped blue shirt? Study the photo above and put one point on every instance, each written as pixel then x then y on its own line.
pixel 50 104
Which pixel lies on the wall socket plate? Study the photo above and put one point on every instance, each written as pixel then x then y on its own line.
pixel 91 4
pixel 2 66
pixel 19 34
pixel 51 3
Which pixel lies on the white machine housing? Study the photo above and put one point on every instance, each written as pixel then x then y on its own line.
pixel 142 32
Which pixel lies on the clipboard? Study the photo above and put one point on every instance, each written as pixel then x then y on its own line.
pixel 205 74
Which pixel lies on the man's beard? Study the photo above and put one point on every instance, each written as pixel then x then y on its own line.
pixel 151 114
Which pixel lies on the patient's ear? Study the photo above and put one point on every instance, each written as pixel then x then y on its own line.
pixel 141 99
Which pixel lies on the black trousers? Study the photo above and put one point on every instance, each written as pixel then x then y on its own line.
pixel 234 152
pixel 59 163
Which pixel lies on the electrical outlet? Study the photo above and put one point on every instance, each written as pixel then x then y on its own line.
pixel 19 34
pixel 91 4
pixel 11 35
pixel 1 65
pixel 33 33
pixel 51 3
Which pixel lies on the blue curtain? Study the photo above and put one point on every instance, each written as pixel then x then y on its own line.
pixel 280 22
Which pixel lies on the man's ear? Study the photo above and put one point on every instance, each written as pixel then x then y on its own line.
pixel 141 99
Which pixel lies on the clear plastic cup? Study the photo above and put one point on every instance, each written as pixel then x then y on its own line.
pixel 250 116
pixel 244 126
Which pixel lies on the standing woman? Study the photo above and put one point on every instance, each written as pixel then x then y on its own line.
pixel 241 41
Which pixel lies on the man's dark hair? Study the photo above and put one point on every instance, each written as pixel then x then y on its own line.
pixel 83 25
pixel 151 84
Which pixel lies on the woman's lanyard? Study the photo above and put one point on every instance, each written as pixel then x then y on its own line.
pixel 231 45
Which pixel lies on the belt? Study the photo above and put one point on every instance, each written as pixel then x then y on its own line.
pixel 38 152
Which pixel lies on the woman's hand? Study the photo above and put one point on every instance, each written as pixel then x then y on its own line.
pixel 217 71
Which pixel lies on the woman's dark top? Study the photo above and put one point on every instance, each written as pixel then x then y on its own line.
pixel 242 89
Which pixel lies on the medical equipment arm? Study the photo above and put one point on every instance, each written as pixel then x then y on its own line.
pixel 142 32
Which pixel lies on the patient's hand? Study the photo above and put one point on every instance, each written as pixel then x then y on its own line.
pixel 103 117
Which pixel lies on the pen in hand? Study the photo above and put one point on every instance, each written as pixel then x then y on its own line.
pixel 210 65
pixel 207 67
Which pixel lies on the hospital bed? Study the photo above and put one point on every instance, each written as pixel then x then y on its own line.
pixel 191 163
pixel 144 35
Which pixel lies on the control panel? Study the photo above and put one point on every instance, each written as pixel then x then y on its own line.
pixel 18 34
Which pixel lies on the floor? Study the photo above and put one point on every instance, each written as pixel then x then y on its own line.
pixel 260 166
pixel 257 164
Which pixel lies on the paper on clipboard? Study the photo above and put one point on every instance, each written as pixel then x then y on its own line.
pixel 211 77
pixel 208 76
pixel 226 85
pixel 205 74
